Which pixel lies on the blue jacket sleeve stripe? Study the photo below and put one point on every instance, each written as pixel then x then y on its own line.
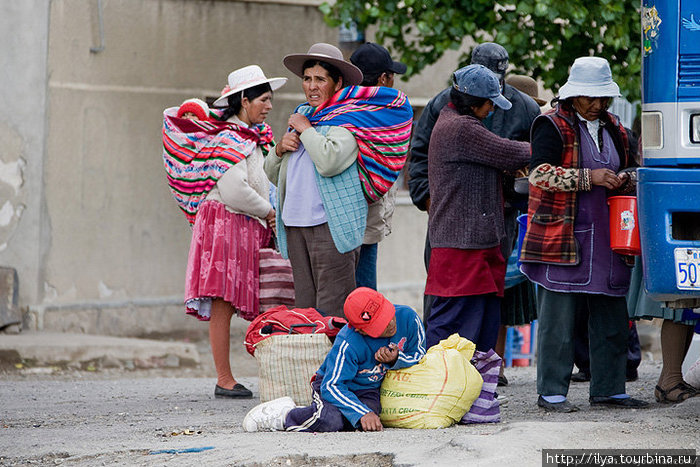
pixel 333 390
pixel 420 347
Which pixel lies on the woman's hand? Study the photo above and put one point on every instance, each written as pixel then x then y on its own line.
pixel 629 180
pixel 271 220
pixel 371 422
pixel 606 178
pixel 299 123
pixel 290 142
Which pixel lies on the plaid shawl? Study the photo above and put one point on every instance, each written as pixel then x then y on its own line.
pixel 551 214
pixel 380 118
pixel 197 153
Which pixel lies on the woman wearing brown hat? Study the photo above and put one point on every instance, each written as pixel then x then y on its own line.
pixel 324 273
pixel 325 179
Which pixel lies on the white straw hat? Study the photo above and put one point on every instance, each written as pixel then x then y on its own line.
pixel 244 78
pixel 590 77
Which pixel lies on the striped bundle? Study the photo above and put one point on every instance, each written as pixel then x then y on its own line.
pixel 486 408
pixel 380 118
pixel 197 153
pixel 276 280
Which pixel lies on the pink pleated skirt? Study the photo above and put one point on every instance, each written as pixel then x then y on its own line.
pixel 224 261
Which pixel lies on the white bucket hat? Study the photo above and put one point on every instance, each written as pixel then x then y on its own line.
pixel 244 78
pixel 325 53
pixel 589 77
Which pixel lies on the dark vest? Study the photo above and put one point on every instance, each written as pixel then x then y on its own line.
pixel 550 232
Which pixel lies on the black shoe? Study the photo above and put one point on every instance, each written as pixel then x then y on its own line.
pixel 581 377
pixel 632 375
pixel 238 392
pixel 561 407
pixel 626 403
pixel 502 380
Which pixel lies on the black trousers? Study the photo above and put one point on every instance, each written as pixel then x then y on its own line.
pixel 608 333
pixel 582 354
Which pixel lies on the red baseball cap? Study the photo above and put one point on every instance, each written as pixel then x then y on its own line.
pixel 368 311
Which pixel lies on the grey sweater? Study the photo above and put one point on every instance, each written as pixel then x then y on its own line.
pixel 465 162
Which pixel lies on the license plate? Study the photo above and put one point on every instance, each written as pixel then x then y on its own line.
pixel 687 268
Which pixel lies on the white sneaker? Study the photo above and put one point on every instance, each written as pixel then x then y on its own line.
pixel 268 416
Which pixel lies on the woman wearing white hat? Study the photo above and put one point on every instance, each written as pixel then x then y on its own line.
pixel 578 151
pixel 233 217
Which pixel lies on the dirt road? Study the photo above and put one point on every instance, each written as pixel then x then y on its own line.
pixel 169 417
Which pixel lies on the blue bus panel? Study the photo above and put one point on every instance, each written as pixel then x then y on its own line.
pixel 665 195
pixel 660 50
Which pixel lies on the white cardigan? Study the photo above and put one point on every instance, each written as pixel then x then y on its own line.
pixel 244 188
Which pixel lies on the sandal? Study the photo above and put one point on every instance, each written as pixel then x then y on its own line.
pixel 686 392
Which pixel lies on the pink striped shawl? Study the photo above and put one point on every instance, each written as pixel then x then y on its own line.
pixel 197 153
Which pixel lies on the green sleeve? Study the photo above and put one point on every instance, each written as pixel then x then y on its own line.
pixel 331 153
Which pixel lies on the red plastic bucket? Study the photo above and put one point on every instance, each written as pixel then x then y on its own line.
pixel 624 225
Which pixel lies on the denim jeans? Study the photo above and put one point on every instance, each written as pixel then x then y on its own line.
pixel 366 271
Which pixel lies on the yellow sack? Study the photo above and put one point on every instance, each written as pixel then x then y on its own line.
pixel 436 392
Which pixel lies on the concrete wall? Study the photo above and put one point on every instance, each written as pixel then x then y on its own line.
pixel 91 228
pixel 23 130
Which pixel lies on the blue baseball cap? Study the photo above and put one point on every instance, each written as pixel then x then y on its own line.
pixel 479 81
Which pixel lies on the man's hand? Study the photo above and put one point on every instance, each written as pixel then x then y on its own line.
pixel 387 354
pixel 371 422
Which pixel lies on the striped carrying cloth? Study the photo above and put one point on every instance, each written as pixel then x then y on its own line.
pixel 276 280
pixel 485 408
pixel 380 118
pixel 197 153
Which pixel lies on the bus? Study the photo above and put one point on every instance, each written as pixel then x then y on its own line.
pixel 668 190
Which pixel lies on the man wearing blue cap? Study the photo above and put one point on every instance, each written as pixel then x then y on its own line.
pixel 512 124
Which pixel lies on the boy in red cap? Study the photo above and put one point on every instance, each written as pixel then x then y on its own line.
pixel 379 337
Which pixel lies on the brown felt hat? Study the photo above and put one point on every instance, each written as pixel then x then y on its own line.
pixel 527 85
pixel 324 53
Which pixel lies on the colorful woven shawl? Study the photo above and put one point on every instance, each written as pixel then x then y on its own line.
pixel 380 118
pixel 197 153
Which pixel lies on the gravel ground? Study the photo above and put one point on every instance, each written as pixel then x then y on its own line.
pixel 51 416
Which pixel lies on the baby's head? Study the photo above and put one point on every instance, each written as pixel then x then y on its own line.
pixel 193 109
pixel 370 313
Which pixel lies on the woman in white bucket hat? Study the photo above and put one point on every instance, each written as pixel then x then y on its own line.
pixel 578 151
pixel 233 217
